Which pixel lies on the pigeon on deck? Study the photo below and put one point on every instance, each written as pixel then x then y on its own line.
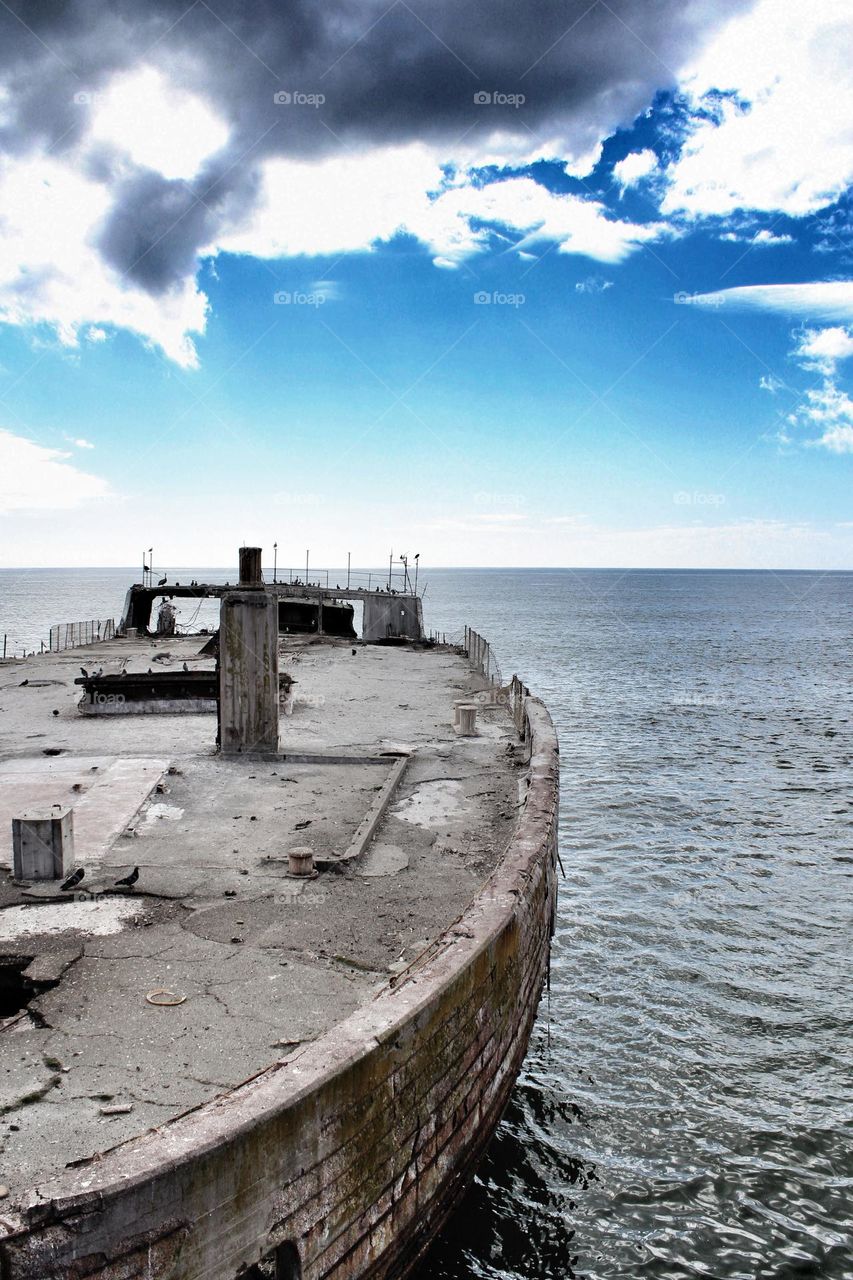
pixel 129 881
pixel 74 879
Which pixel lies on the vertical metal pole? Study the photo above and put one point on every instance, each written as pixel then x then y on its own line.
pixel 306 568
pixel 390 567
pixel 417 558
pixel 274 561
pixel 349 562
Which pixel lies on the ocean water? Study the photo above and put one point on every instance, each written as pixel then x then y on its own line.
pixel 686 1108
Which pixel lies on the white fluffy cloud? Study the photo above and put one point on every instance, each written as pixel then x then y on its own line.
pixel 759 240
pixel 783 140
pixel 157 124
pixel 347 203
pixel 50 271
pixel 826 409
pixel 51 274
pixel 779 142
pixel 765 239
pixel 35 478
pixel 634 168
pixel 823 348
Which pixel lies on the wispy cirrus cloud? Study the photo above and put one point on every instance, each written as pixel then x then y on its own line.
pixel 34 477
pixel 593 284
pixel 814 300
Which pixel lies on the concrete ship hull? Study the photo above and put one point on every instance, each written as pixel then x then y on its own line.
pixel 344 1159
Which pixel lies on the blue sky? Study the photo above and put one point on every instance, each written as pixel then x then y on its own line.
pixel 610 333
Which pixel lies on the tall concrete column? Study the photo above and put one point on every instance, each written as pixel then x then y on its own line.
pixel 248 672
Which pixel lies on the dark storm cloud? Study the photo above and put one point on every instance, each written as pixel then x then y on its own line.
pixel 387 73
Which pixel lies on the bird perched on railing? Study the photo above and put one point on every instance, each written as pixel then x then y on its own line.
pixel 162 581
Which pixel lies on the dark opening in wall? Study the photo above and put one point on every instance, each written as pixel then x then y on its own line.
pixel 282 1264
pixel 297 616
pixel 287 1264
pixel 338 620
pixel 302 617
pixel 15 991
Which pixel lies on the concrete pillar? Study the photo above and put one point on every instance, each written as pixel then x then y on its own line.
pixel 43 844
pixel 250 567
pixel 248 672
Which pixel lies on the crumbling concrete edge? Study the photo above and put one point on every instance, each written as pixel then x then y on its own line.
pixel 410 1087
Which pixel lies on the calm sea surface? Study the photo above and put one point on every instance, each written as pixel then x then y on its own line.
pixel 685 1109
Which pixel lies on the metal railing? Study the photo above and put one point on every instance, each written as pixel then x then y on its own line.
pixel 359 579
pixel 68 635
pixel 481 656
pixel 344 579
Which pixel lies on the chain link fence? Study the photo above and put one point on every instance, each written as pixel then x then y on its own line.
pixel 68 635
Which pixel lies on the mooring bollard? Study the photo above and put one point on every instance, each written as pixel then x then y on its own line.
pixel 300 862
pixel 467 720
pixel 457 703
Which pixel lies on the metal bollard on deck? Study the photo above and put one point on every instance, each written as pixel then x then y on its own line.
pixel 300 861
pixel 467 726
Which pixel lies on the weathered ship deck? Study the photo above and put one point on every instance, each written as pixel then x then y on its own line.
pixel 266 963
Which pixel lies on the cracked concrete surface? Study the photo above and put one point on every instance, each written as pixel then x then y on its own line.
pixel 264 964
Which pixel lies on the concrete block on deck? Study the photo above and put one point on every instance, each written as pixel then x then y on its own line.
pixel 43 843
